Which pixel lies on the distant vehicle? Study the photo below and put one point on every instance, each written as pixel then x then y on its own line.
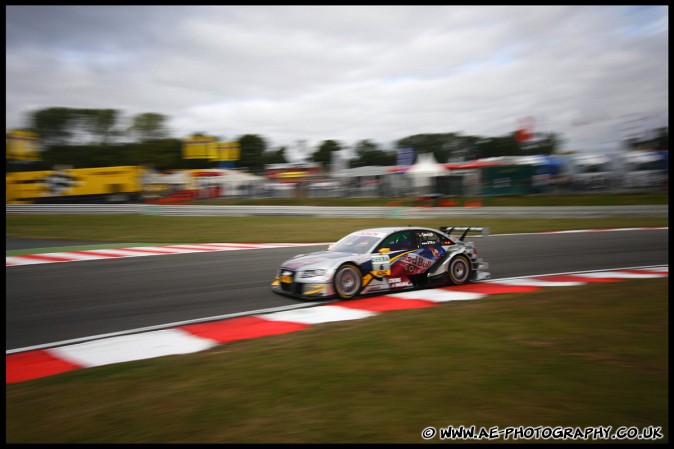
pixel 75 185
pixel 380 260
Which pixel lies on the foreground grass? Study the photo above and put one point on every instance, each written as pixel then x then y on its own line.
pixel 162 229
pixel 575 356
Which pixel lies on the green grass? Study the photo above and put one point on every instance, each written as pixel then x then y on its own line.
pixel 153 229
pixel 575 356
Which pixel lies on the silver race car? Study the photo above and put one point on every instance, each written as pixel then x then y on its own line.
pixel 381 260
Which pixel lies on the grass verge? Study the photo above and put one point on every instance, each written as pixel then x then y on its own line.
pixel 156 229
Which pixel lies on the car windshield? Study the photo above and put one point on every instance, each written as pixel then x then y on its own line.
pixel 355 243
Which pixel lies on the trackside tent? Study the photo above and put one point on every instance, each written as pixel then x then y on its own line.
pixel 424 171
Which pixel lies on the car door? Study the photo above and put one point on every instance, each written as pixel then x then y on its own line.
pixel 395 247
pixel 430 244
pixel 426 252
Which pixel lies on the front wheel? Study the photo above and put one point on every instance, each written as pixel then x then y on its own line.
pixel 347 281
pixel 459 270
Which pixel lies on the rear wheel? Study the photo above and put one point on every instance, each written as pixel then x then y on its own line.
pixel 459 270
pixel 347 281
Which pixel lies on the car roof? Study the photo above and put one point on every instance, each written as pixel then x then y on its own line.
pixel 390 229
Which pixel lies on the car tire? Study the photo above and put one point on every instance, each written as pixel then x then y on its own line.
pixel 347 281
pixel 459 270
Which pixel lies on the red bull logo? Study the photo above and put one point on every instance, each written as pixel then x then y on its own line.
pixel 414 263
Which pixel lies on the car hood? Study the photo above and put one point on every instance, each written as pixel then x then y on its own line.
pixel 322 259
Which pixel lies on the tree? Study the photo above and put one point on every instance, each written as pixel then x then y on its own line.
pixel 450 146
pixel 149 126
pixel 100 124
pixel 542 143
pixel 663 139
pixel 89 137
pixel 70 126
pixel 443 146
pixel 274 157
pixel 324 153
pixel 53 125
pixel 252 148
pixel 368 153
pixel 655 139
pixel 162 154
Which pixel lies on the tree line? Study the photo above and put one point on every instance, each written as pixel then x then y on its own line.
pixel 86 138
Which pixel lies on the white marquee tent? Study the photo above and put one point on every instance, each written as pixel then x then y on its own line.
pixel 424 170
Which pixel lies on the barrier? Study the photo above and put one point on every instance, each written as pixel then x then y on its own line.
pixel 343 212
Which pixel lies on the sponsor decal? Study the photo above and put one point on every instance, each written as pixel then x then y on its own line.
pixel 371 234
pixel 381 265
pixel 398 283
pixel 380 258
pixel 59 182
pixel 415 263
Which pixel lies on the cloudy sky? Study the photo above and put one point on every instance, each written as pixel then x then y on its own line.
pixel 591 74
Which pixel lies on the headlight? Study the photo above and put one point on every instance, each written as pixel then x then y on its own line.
pixel 313 273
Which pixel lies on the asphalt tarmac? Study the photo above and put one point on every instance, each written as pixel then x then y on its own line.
pixel 53 302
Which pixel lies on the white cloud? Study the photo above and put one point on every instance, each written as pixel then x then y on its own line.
pixel 348 73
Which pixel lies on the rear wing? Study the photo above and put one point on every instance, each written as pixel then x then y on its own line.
pixel 484 231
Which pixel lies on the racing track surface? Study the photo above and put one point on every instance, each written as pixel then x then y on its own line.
pixel 53 302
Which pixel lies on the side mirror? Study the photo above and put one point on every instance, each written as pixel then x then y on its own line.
pixel 384 250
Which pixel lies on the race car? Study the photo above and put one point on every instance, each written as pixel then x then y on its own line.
pixel 382 260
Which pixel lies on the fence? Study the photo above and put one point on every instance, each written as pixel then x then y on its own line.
pixel 338 211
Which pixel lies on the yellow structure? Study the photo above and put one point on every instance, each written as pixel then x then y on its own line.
pixel 21 146
pixel 227 151
pixel 199 146
pixel 75 185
